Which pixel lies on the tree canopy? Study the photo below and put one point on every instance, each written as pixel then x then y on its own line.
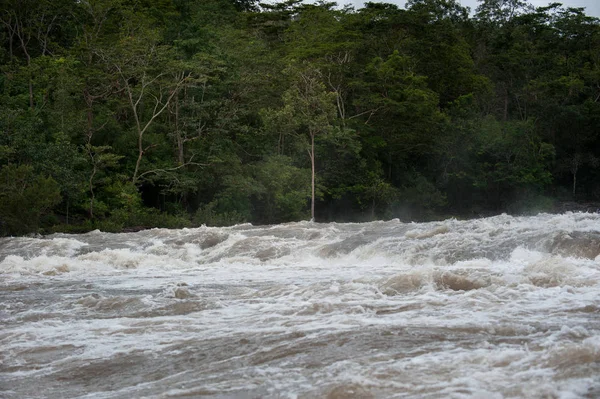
pixel 118 114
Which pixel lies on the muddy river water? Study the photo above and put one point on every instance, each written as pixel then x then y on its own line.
pixel 501 307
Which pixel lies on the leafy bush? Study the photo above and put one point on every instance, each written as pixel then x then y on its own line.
pixel 25 197
pixel 419 199
pixel 282 190
pixel 209 216
pixel 531 203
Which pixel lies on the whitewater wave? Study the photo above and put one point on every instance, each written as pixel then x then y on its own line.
pixel 500 307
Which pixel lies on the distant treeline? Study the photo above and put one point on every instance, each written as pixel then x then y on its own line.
pixel 118 114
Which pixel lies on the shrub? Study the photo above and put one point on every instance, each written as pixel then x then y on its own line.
pixel 25 197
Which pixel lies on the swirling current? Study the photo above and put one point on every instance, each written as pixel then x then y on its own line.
pixel 500 307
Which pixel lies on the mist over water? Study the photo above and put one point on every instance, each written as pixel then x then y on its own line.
pixel 502 307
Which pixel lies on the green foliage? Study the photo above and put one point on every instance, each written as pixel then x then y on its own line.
pixel 282 190
pixel 530 202
pixel 25 197
pixel 511 153
pixel 418 199
pixel 376 195
pixel 132 114
pixel 209 216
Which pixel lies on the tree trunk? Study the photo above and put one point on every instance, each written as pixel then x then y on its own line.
pixel 574 169
pixel 90 124
pixel 31 93
pixel 21 34
pixel 91 186
pixel 505 116
pixel 139 158
pixel 180 155
pixel 10 43
pixel 373 209
pixel 312 162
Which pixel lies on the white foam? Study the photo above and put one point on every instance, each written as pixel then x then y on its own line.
pixel 477 308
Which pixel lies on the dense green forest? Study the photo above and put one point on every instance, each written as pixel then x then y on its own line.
pixel 119 114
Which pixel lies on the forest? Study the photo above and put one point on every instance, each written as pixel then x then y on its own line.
pixel 126 114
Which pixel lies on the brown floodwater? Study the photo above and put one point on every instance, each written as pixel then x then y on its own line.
pixel 502 307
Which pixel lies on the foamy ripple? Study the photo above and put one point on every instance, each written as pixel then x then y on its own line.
pixel 503 307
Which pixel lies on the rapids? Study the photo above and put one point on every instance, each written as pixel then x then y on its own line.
pixel 501 307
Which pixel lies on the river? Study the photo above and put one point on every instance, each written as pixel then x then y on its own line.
pixel 500 307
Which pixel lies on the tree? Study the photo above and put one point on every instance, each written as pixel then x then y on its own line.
pixel 308 111
pixel 33 27
pixel 501 12
pixel 24 198
pixel 148 73
pixel 407 117
pixel 320 35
